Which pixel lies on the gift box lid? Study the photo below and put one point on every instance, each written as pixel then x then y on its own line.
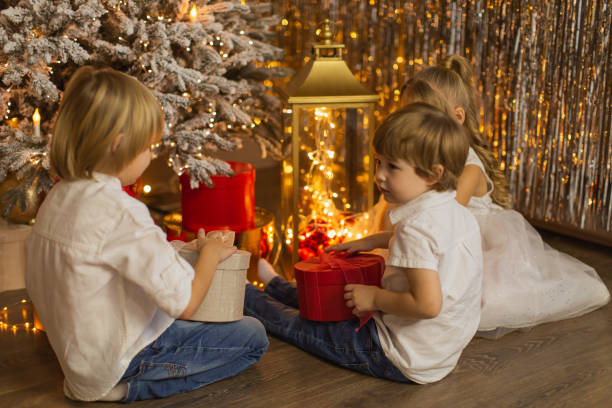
pixel 238 260
pixel 323 263
pixel 329 272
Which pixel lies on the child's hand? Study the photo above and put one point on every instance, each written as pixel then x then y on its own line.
pixel 214 246
pixel 360 298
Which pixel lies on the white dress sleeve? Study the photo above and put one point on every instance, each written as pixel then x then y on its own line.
pixel 474 160
pixel 137 249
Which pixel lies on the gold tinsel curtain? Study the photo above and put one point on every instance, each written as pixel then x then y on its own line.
pixel 541 70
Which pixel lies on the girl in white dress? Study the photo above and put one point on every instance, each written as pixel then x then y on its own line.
pixel 525 281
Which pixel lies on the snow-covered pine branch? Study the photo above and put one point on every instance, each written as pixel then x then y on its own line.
pixel 207 73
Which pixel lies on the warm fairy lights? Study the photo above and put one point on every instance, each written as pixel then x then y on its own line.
pixel 228 32
pixel 9 324
pixel 322 223
pixel 545 110
pixel 268 238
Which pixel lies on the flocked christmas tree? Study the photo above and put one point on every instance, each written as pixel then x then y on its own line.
pixel 209 63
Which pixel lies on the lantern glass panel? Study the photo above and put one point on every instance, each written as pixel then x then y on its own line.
pixel 332 164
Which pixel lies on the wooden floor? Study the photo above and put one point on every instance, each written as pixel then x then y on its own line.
pixel 562 364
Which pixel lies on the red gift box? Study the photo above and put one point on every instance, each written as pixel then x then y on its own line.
pixel 133 190
pixel 229 204
pixel 321 281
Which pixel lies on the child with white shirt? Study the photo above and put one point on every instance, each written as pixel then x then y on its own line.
pixel 428 308
pixel 107 285
pixel 525 281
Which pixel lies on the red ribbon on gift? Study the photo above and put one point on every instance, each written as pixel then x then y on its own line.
pixel 352 274
pixel 319 275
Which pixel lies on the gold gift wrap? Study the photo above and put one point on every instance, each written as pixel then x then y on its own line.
pixel 224 300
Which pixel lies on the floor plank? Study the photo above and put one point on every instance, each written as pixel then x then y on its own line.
pixel 560 364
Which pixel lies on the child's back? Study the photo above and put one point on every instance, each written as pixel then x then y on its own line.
pixel 526 282
pixel 97 264
pixel 433 231
pixel 106 284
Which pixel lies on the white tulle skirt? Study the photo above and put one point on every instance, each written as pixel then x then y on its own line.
pixel 525 281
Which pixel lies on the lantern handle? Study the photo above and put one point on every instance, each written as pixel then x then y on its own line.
pixel 325 38
pixel 326 35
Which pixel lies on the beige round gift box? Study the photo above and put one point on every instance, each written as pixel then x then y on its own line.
pixel 224 301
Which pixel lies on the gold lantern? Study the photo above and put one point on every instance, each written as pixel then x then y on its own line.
pixel 328 179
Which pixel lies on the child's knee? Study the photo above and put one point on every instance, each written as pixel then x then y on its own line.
pixel 254 333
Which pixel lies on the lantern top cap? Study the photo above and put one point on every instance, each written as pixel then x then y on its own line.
pixel 325 35
pixel 326 47
pixel 326 79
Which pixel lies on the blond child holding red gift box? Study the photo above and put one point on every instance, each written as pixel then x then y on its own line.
pixel 107 285
pixel 428 308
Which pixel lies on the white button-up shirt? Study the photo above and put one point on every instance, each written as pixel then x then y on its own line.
pixel 104 280
pixel 433 232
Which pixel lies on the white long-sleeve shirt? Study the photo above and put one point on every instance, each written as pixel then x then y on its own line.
pixel 104 280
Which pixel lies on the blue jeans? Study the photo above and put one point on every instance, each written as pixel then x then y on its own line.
pixel 337 342
pixel 189 355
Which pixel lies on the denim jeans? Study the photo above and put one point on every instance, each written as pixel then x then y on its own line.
pixel 189 355
pixel 337 342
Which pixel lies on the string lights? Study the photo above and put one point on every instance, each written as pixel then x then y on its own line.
pixel 7 324
pixel 214 53
pixel 195 15
pixel 327 182
pixel 545 109
pixel 322 223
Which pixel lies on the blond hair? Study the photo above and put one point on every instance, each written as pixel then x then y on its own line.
pixel 424 137
pixel 448 86
pixel 97 106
